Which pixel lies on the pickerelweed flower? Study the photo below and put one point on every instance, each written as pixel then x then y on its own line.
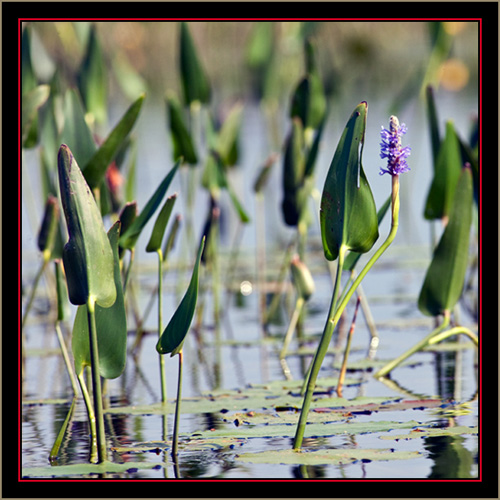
pixel 392 150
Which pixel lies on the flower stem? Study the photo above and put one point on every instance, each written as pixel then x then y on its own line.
pixel 336 311
pixel 163 377
pixel 175 439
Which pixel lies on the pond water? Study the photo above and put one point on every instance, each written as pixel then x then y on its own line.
pixel 237 356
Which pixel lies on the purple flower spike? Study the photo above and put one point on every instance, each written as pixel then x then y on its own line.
pixel 392 150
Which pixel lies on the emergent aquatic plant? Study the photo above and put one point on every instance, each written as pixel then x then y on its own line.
pixel 349 222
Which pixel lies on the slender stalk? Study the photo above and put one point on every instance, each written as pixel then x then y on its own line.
pixel 319 356
pixel 91 415
pixel 65 355
pixel 163 376
pixel 288 337
pixel 129 267
pixel 96 382
pixel 175 438
pixel 343 369
pixel 33 289
pixel 437 335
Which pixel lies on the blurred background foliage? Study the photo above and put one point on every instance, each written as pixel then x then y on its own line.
pixel 265 59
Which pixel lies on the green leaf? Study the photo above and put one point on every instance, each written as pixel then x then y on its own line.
pixel 348 215
pixel 93 79
pixel 433 123
pixel 111 325
pixel 76 133
pixel 161 223
pixel 293 173
pixel 172 338
pixel 129 238
pixel 182 142
pixel 447 171
pixel 352 258
pixel 87 256
pixel 194 81
pixel 227 137
pixel 95 169
pixel 445 276
pixel 31 102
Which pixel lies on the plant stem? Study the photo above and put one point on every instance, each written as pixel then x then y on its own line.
pixel 91 415
pixel 417 347
pixel 60 436
pixel 163 376
pixel 175 439
pixel 319 356
pixel 96 382
pixel 65 355
pixel 33 289
pixel 343 369
pixel 288 337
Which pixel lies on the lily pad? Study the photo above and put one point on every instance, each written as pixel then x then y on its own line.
pixel 432 432
pixel 330 457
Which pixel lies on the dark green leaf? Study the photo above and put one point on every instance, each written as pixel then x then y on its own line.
pixel 348 215
pixel 87 256
pixel 48 230
pixel 111 325
pixel 182 142
pixel 194 81
pixel 160 225
pixel 433 123
pixel 76 133
pixel 95 169
pixel 446 174
pixel 445 276
pixel 93 79
pixel 172 338
pixel 129 238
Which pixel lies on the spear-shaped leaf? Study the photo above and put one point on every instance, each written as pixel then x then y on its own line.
pixel 445 276
pixel 95 168
pixel 447 171
pixel 348 215
pixel 173 336
pixel 87 256
pixel 183 145
pixel 194 81
pixel 111 326
pixel 129 238
pixel 31 102
pixel 161 223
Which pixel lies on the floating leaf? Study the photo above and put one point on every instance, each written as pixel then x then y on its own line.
pixel 348 215
pixel 87 256
pixel 111 325
pixel 340 456
pixel 183 145
pixel 194 81
pixel 161 223
pixel 172 338
pixel 96 167
pixel 445 276
pixel 129 238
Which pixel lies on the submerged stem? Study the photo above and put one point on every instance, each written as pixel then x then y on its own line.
pixel 163 376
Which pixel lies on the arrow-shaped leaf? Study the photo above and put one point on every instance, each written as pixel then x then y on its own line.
pixel 87 256
pixel 445 276
pixel 95 169
pixel 172 338
pixel 348 215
